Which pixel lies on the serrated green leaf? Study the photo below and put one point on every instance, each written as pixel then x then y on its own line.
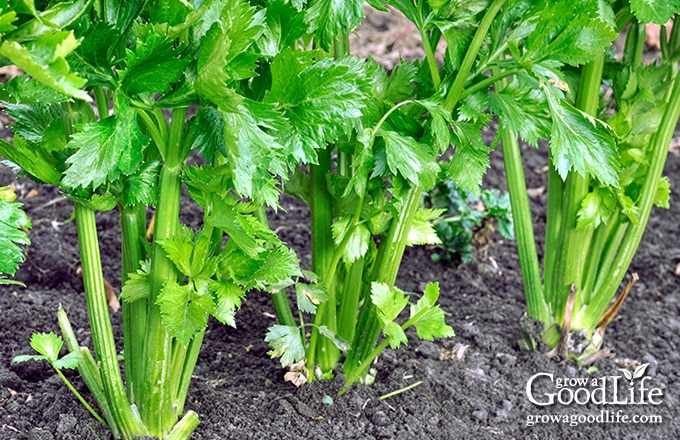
pixel 228 297
pixel 184 309
pixel 655 11
pixel 276 266
pixel 245 25
pixel 579 142
pixel 596 208
pixel 362 164
pixel 284 25
pixel 357 243
pixel 205 182
pixel 427 317
pixel 225 217
pixel 394 334
pixel 470 159
pixel 400 85
pixel 522 111
pixel 141 186
pixel 6 21
pixel 32 120
pixel 254 154
pixel 172 12
pixel 663 192
pixel 440 119
pixel 25 357
pixel 322 101
pixel 422 229
pixel 106 149
pixel 327 18
pixel 48 345
pixel 628 206
pixel 137 286
pixel 211 83
pixel 44 60
pixel 409 158
pixel 286 343
pixel 13 221
pixel 32 159
pixel 23 90
pixel 389 301
pixel 153 66
pixel 308 296
pixel 70 361
pixel 431 324
pixel 207 129
pixel 582 40
pixel 179 248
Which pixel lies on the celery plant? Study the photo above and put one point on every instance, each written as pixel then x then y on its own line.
pixel 365 191
pixel 103 113
pixel 606 159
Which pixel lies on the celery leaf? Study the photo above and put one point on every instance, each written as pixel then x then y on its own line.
pixel 45 60
pixel 286 343
pixel 389 301
pixel 327 18
pixel 184 309
pixel 106 149
pixel 655 11
pixel 579 142
pixel 153 66
pixel 13 221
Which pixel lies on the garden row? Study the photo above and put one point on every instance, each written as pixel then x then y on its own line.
pixel 116 96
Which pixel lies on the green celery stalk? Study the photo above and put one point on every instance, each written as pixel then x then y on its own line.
pixel 390 254
pixel 100 321
pixel 133 229
pixel 157 391
pixel 524 231
pixel 631 241
pixel 323 248
pixel 574 243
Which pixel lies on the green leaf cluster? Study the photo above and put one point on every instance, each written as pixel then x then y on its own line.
pixel 465 220
pixel 13 225
pixel 424 315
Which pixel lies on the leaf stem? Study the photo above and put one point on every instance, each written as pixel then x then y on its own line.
pixel 575 243
pixel 133 229
pixel 158 394
pixel 454 93
pixel 385 270
pixel 524 230
pixel 100 321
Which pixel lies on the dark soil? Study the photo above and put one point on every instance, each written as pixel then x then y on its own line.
pixel 473 385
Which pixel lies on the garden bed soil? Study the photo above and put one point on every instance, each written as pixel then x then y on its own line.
pixel 473 385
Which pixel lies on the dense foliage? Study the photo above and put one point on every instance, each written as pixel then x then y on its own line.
pixel 265 97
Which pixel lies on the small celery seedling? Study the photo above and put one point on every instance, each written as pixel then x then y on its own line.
pixel 48 346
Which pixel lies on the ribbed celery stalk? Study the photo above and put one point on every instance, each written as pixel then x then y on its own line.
pixel 157 398
pixel 568 267
pixel 100 321
pixel 321 350
pixel 133 228
pixel 390 254
pixel 632 239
